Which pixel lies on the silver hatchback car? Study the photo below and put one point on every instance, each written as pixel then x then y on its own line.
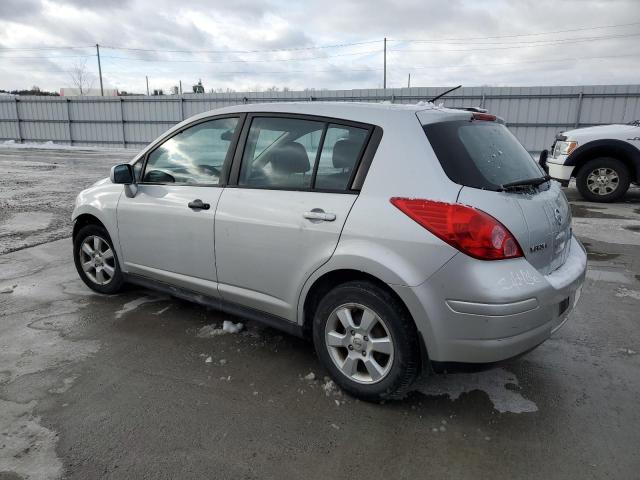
pixel 399 238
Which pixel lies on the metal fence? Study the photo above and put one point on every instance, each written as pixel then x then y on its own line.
pixel 535 114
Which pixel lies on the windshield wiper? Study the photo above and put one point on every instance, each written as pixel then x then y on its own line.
pixel 530 182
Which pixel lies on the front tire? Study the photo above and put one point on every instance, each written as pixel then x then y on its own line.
pixel 603 179
pixel 96 260
pixel 367 341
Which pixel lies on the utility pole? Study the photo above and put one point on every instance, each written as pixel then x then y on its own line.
pixel 99 70
pixel 384 82
pixel 180 87
pixel 147 77
pixel 409 82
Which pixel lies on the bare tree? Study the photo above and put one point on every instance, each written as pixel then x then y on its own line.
pixel 81 77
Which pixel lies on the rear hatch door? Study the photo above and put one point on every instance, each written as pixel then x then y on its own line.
pixel 484 158
pixel 540 221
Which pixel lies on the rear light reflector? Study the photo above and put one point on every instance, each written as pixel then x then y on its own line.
pixel 484 116
pixel 467 229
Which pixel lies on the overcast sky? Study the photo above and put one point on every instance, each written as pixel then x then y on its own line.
pixel 251 44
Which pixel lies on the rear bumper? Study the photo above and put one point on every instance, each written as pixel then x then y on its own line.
pixel 481 312
pixel 558 170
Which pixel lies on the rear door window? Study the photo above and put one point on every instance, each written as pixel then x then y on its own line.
pixel 340 153
pixel 301 154
pixel 481 154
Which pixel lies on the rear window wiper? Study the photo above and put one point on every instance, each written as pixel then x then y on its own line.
pixel 530 182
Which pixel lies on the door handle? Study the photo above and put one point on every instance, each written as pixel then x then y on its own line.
pixel 198 205
pixel 320 215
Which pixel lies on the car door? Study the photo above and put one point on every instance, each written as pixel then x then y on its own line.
pixel 281 215
pixel 166 229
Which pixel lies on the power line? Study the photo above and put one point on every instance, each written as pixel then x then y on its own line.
pixel 300 59
pixel 293 49
pixel 48 57
pixel 319 47
pixel 518 34
pixel 607 57
pixel 45 48
pixel 374 69
pixel 541 43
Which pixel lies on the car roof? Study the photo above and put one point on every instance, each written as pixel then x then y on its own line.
pixel 375 113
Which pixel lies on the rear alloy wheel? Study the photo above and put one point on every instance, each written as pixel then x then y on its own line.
pixel 367 341
pixel 603 180
pixel 96 260
pixel 359 343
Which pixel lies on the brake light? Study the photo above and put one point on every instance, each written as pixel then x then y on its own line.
pixel 467 229
pixel 484 116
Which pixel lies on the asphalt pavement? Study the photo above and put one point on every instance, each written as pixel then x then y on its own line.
pixel 139 385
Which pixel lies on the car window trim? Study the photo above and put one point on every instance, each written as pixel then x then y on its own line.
pixel 224 171
pixel 357 174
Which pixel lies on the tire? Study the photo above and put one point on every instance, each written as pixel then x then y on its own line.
pixel 390 325
pixel 100 273
pixel 595 180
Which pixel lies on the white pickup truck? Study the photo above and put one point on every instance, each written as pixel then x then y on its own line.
pixel 604 160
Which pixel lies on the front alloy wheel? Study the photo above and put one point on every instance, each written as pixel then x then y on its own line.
pixel 97 260
pixel 603 181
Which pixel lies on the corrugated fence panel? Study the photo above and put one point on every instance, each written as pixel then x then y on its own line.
pixel 535 114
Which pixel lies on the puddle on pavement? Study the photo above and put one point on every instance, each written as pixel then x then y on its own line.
pixel 500 385
pixel 594 255
pixel 583 211
pixel 608 276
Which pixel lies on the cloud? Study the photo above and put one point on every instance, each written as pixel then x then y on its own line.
pixel 225 29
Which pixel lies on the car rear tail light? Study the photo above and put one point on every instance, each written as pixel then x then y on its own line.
pixel 467 229
pixel 484 116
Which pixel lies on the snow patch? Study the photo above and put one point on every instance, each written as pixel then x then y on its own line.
pixel 162 310
pixel 134 304
pixel 209 331
pixel 28 448
pixel 9 289
pixel 625 292
pixel 49 145
pixel 627 351
pixel 330 388
pixel 493 382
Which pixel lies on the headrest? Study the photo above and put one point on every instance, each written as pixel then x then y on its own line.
pixel 345 153
pixel 290 158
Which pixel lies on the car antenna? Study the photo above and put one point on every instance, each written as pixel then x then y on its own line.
pixel 444 93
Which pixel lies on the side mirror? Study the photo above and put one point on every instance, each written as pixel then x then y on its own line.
pixel 122 173
pixel 542 161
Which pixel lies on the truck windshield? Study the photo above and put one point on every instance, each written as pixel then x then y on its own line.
pixel 481 154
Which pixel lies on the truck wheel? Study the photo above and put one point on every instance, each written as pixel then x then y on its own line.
pixel 603 179
pixel 367 341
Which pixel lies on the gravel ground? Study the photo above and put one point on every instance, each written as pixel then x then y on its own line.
pixel 38 188
pixel 144 386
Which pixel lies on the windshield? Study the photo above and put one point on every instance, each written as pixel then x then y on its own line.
pixel 481 154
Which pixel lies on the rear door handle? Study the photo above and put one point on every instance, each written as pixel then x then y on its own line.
pixel 198 204
pixel 319 214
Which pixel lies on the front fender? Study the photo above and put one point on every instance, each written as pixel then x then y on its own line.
pixel 606 147
pixel 101 202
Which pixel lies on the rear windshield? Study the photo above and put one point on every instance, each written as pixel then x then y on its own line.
pixel 480 154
